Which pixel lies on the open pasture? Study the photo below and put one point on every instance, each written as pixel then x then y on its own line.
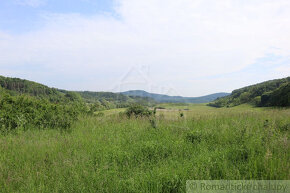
pixel 112 153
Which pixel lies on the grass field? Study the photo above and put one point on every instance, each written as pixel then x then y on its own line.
pixel 112 153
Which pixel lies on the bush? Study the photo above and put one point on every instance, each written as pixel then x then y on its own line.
pixel 25 112
pixel 153 123
pixel 138 111
pixel 160 107
pixel 181 114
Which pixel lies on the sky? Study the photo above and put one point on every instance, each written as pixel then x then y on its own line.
pixel 184 47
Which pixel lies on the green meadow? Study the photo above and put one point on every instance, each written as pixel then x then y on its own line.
pixel 110 152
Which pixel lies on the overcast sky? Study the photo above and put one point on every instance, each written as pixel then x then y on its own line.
pixel 175 47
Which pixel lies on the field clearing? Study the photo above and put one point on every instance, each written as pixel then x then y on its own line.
pixel 116 154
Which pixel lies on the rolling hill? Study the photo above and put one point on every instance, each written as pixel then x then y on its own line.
pixel 17 86
pixel 270 93
pixel 174 99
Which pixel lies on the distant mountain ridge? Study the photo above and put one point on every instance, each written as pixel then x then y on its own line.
pixel 175 99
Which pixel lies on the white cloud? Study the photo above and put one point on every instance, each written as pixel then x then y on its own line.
pixel 31 3
pixel 181 41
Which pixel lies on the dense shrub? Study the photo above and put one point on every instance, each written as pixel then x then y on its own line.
pixel 25 112
pixel 181 114
pixel 160 107
pixel 279 97
pixel 138 111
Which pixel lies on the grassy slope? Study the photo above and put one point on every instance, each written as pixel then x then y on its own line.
pixel 114 154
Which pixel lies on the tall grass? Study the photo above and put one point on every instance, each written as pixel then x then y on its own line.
pixel 117 154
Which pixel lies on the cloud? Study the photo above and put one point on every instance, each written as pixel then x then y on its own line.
pixel 181 41
pixel 31 3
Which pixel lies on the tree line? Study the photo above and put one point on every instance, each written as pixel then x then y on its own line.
pixel 26 104
pixel 265 94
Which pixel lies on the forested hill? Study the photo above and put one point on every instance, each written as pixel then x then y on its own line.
pixel 106 100
pixel 175 99
pixel 119 100
pixel 25 104
pixel 17 86
pixel 270 93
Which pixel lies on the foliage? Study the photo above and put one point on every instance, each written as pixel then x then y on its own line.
pixel 25 112
pixel 160 107
pixel 181 114
pixel 16 86
pixel 279 97
pixel 153 123
pixel 111 100
pixel 96 106
pixel 73 96
pixel 138 111
pixel 96 100
pixel 269 93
